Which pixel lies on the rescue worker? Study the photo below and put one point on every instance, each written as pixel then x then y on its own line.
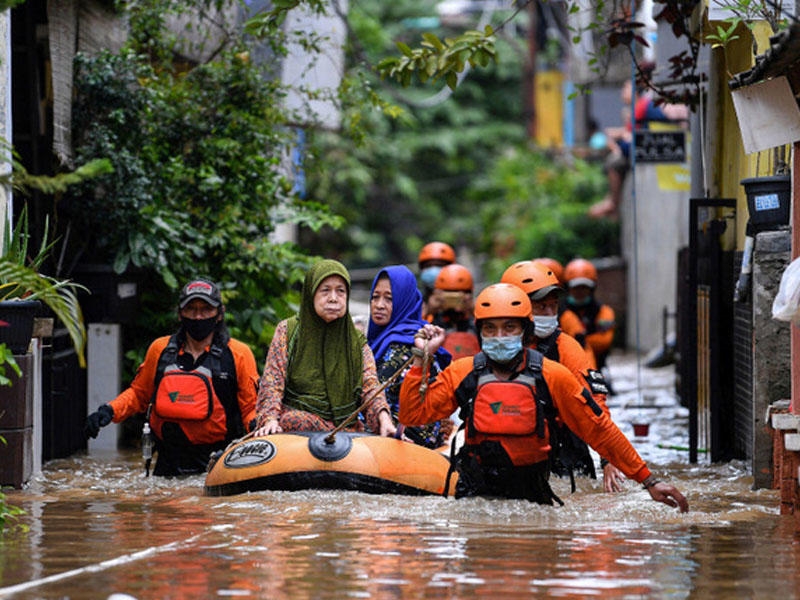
pixel 506 395
pixel 453 294
pixel 197 387
pixel 584 318
pixel 570 453
pixel 432 257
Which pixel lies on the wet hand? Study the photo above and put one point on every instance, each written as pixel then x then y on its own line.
pixel 271 426
pixel 387 426
pixel 99 418
pixel 613 478
pixel 669 495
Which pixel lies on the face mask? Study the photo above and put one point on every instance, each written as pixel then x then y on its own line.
pixel 544 325
pixel 199 329
pixel 573 302
pixel 428 275
pixel 503 348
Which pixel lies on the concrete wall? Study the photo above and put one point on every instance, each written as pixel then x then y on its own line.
pixel 771 355
pixel 655 225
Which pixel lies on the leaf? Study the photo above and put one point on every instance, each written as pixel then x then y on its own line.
pixel 452 80
pixel 404 48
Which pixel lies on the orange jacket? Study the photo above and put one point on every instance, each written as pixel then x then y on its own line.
pixel 136 398
pixel 598 335
pixel 572 356
pixel 599 431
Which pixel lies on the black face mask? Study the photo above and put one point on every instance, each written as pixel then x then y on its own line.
pixel 199 329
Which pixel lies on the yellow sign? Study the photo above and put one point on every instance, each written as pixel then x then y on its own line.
pixel 549 109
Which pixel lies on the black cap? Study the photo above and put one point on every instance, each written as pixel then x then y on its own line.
pixel 542 293
pixel 203 289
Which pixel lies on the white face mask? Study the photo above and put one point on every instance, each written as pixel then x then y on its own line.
pixel 544 325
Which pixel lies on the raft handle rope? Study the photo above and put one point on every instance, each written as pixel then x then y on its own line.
pixel 426 363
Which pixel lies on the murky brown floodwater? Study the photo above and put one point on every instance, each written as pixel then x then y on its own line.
pixel 98 527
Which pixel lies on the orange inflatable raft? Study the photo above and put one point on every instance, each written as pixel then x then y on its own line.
pixel 312 460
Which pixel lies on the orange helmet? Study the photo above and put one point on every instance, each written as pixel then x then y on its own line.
pixel 502 300
pixel 553 265
pixel 454 278
pixel 437 251
pixel 580 271
pixel 533 278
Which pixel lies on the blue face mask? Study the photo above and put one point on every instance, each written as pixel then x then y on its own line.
pixel 573 302
pixel 544 325
pixel 502 349
pixel 428 275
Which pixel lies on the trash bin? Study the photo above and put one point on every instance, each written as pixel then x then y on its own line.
pixel 768 200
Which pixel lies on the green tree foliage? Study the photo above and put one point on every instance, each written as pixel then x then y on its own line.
pixel 198 184
pixel 401 176
pixel 539 209
pixel 457 168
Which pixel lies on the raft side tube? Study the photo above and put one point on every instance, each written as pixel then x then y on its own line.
pixel 284 461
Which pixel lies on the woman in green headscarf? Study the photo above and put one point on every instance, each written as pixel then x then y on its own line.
pixel 319 367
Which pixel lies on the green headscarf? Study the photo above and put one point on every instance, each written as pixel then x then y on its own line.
pixel 325 359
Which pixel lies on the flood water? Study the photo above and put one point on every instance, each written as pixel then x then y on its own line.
pixel 97 527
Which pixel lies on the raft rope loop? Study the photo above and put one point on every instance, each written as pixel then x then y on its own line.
pixel 426 363
pixel 331 437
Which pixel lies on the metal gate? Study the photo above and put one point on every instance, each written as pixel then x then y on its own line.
pixel 706 350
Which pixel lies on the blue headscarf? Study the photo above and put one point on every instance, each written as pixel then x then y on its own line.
pixel 406 316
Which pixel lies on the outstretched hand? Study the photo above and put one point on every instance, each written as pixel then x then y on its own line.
pixel 669 495
pixel 613 478
pixel 99 418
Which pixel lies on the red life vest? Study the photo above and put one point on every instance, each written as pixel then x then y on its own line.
pixel 511 412
pixel 188 398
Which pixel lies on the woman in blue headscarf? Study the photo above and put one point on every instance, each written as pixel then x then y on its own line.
pixel 395 311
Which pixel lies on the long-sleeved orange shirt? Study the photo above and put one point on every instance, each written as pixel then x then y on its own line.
pixel 573 356
pixel 598 337
pixel 135 399
pixel 599 431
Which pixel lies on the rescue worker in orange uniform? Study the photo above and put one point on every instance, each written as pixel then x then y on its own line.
pixel 197 387
pixel 504 393
pixel 453 294
pixel 544 291
pixel 432 257
pixel 583 317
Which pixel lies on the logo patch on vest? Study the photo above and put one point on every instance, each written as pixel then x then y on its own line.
pixel 495 406
pixel 250 454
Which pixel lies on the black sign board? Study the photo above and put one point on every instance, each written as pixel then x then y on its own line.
pixel 660 146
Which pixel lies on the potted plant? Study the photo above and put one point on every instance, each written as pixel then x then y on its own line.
pixel 22 284
pixel 23 288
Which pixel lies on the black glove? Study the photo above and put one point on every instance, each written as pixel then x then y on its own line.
pixel 100 418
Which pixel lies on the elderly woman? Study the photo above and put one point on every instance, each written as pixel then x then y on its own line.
pixel 395 310
pixel 319 368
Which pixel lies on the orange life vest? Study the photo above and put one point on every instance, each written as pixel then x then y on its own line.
pixel 510 412
pixel 188 398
